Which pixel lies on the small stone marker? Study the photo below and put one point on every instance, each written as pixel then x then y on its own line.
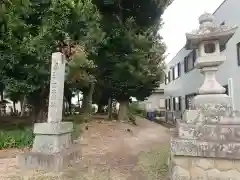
pixel 52 149
pixel 56 88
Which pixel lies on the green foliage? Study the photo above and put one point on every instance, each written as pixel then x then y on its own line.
pixel 135 109
pixel 17 138
pixel 18 132
pixel 130 60
pixel 112 45
pixel 31 30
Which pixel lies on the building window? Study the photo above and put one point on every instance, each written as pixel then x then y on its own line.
pixel 222 47
pixel 168 104
pixel 238 53
pixel 173 73
pixel 179 69
pixel 189 61
pixel 226 92
pixel 177 104
pixel 176 71
pixel 169 76
pixel 188 100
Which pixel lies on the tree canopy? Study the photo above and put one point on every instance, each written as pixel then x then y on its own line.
pixel 112 46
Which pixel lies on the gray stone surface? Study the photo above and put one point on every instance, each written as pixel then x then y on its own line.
pixel 50 162
pixel 56 88
pixel 53 128
pixel 209 132
pixel 51 143
pixel 214 104
pixel 197 148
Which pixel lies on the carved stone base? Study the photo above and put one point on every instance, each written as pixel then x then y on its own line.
pixel 52 137
pixel 53 149
pixel 213 104
pixel 206 146
pixel 193 168
pixel 50 162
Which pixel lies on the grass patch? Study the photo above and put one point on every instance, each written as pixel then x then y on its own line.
pixel 16 132
pixel 154 164
pixel 16 138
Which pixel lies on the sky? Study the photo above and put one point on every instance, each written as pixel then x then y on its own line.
pixel 182 17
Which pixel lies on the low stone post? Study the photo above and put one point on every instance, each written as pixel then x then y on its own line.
pixel 53 149
pixel 206 142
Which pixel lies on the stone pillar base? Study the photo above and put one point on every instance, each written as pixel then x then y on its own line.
pixel 52 149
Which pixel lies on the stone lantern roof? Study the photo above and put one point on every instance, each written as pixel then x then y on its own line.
pixel 209 30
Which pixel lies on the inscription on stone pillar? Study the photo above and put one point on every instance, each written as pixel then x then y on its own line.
pixel 56 88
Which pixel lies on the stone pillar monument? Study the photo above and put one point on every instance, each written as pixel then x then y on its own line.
pixel 206 142
pixel 52 149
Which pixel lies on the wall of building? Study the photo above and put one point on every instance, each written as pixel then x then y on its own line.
pixel 189 82
pixel 156 100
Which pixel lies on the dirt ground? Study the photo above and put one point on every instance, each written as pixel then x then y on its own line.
pixel 110 151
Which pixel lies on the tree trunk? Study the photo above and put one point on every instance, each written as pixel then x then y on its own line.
pixel 38 114
pixel 69 102
pixel 87 100
pixel 100 108
pixel 1 102
pixel 123 110
pixel 78 97
pixel 110 110
pixel 23 104
pixel 14 107
pixel 2 96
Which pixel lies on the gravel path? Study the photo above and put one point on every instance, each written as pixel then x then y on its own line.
pixel 110 150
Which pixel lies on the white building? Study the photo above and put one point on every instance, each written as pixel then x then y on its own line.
pixel 155 102
pixel 183 80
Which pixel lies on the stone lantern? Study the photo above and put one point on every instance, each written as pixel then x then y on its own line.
pixel 206 142
pixel 208 39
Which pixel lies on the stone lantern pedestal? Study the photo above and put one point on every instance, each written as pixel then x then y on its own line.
pixel 206 142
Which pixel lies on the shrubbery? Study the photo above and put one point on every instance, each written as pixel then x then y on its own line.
pixel 20 134
pixel 136 110
pixel 16 138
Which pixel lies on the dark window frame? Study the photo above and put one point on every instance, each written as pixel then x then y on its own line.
pixel 177 74
pixel 238 53
pixel 179 104
pixel 169 104
pixel 173 73
pixel 222 47
pixel 187 105
pixel 169 76
pixel 187 59
pixel 226 92
pixel 174 103
pixel 179 69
